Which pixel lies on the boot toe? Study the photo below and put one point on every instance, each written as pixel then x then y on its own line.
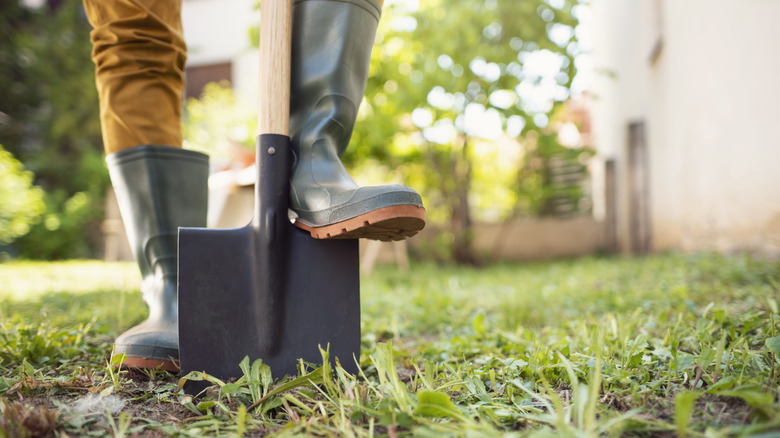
pixel 392 212
pixel 361 201
pixel 368 199
pixel 149 341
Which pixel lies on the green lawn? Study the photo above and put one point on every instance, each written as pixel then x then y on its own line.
pixel 661 346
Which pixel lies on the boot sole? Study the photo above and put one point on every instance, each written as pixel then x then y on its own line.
pixel 144 363
pixel 387 224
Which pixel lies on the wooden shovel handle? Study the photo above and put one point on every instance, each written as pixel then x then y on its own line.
pixel 275 43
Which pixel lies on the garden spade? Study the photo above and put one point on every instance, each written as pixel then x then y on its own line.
pixel 267 290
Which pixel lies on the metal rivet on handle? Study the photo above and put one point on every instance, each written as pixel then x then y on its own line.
pixel 271 150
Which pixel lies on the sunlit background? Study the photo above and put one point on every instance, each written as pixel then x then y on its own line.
pixel 533 129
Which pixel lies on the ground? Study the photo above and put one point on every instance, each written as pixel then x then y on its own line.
pixel 668 345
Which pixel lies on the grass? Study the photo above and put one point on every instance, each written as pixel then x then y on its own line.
pixel 668 345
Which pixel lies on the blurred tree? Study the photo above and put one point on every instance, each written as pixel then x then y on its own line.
pixel 49 120
pixel 19 99
pixel 21 203
pixel 448 75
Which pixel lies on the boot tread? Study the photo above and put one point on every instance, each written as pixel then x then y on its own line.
pixel 144 363
pixel 387 224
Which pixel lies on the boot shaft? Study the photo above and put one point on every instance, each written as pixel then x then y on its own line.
pixel 159 189
pixel 331 54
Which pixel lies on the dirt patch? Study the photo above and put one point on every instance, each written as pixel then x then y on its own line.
pixel 45 411
pixel 708 410
pixel 721 410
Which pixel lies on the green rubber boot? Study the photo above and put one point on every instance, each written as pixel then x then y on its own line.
pixel 159 189
pixel 331 52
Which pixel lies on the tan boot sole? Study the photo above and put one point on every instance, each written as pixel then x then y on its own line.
pixel 144 363
pixel 397 222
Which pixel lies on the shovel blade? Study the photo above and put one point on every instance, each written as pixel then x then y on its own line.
pixel 227 313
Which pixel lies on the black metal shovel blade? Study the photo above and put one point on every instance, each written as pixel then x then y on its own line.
pixel 221 313
pixel 267 290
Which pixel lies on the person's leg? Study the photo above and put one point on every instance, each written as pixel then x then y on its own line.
pixel 139 56
pixel 331 53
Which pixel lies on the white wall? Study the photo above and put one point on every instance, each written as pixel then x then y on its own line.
pixel 217 30
pixel 711 103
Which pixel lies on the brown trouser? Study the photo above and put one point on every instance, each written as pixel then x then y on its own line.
pixel 139 54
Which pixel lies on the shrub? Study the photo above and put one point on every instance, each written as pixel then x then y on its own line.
pixel 21 202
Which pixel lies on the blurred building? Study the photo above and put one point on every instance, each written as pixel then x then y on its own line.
pixel 687 113
pixel 219 46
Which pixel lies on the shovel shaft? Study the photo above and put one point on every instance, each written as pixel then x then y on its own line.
pixel 273 171
pixel 275 37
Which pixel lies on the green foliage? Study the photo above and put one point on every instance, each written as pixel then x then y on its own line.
pixel 49 121
pixel 21 203
pixel 41 344
pixel 437 405
pixel 546 162
pixel 220 124
pixel 593 347
pixel 69 228
pixel 441 70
